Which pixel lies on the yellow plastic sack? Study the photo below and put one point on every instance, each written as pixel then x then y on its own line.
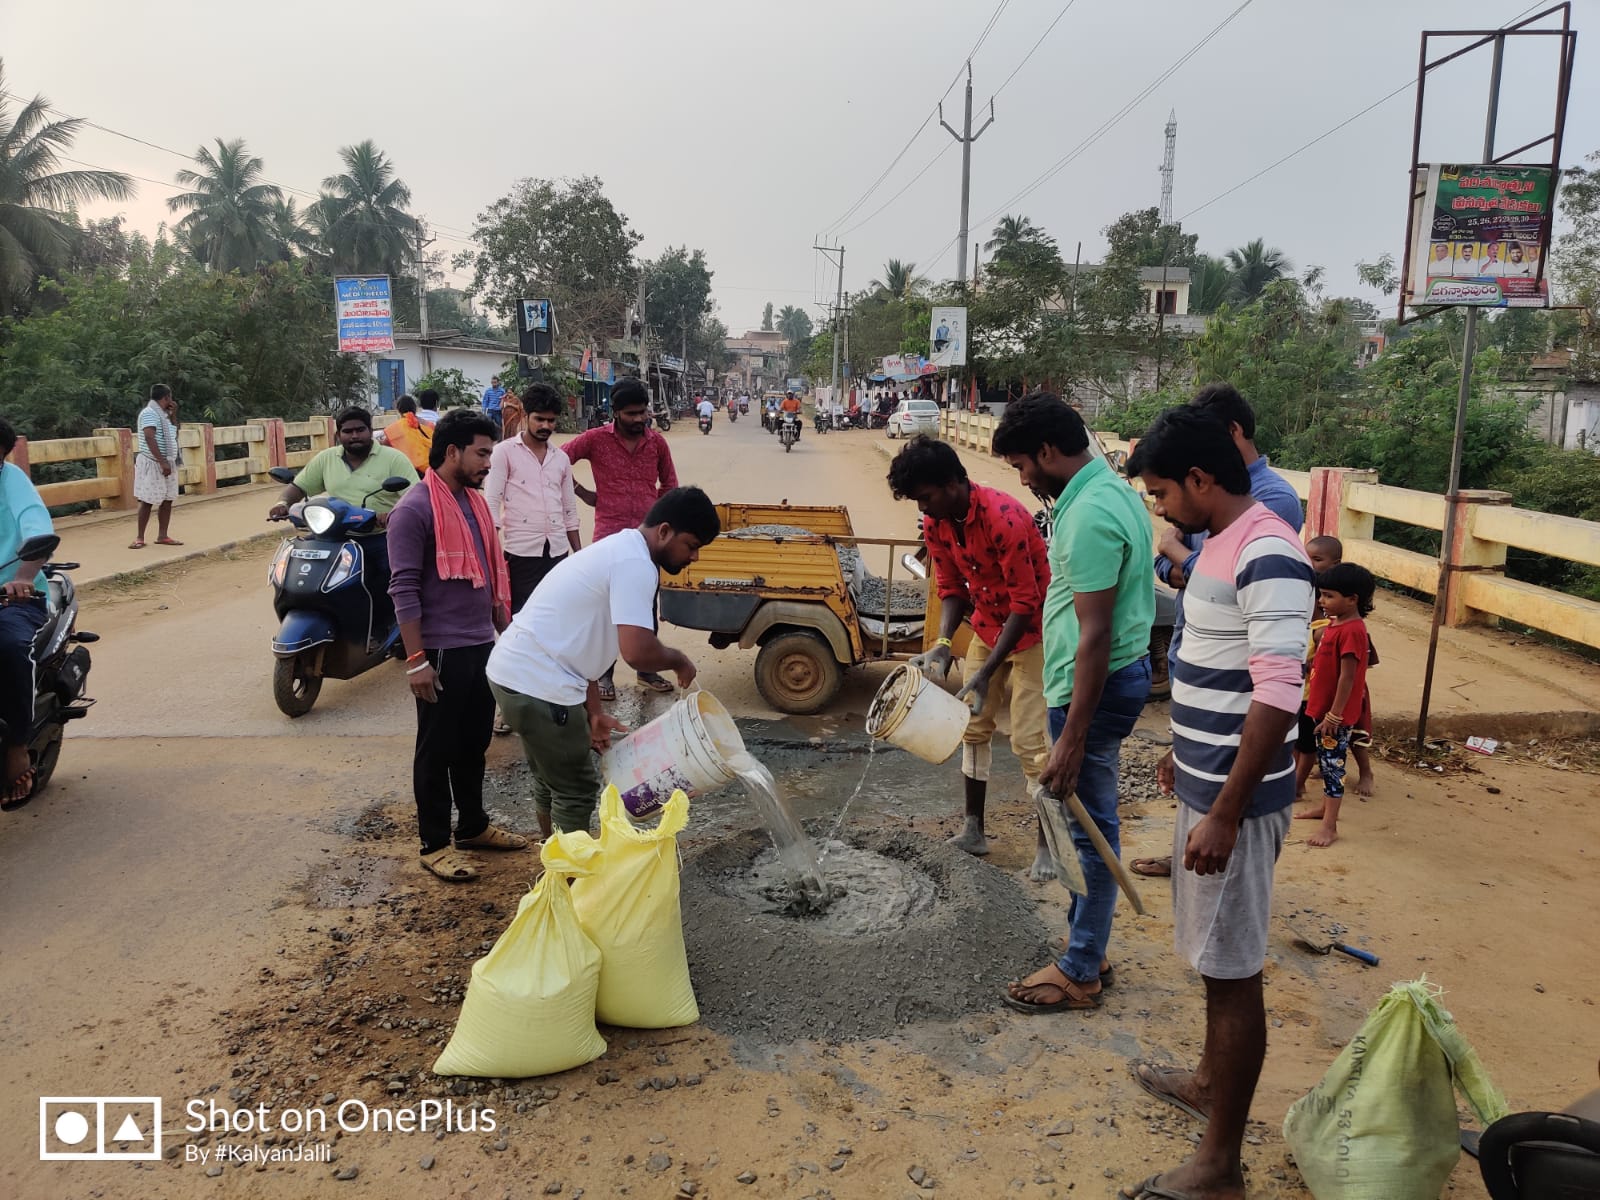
pixel 530 1005
pixel 630 908
pixel 1382 1123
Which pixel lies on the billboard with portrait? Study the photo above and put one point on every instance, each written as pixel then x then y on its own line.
pixel 947 337
pixel 536 324
pixel 1480 236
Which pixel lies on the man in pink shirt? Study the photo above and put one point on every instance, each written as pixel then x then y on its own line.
pixel 632 470
pixel 530 494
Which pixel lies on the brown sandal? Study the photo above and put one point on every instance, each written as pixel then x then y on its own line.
pixel 493 838
pixel 449 866
pixel 1152 868
pixel 1072 996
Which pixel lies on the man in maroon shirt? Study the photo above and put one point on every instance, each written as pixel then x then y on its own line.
pixel 633 469
pixel 991 566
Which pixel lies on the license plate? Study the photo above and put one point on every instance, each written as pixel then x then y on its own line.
pixel 310 553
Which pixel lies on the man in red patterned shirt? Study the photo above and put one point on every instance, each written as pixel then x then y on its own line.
pixel 632 467
pixel 991 566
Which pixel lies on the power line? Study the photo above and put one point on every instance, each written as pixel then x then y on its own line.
pixel 943 150
pixel 1048 30
pixel 926 121
pixel 189 158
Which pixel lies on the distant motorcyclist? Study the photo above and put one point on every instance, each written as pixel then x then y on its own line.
pixel 705 409
pixel 23 613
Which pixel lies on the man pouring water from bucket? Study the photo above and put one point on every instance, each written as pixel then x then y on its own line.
pixel 596 604
pixel 990 566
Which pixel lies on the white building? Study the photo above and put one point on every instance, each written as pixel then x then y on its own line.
pixel 479 359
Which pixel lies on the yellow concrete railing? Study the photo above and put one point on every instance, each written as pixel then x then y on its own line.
pixel 1347 504
pixel 112 452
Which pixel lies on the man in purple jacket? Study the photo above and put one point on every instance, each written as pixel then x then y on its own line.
pixel 448 626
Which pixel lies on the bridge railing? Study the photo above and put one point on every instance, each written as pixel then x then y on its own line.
pixel 1346 503
pixel 262 443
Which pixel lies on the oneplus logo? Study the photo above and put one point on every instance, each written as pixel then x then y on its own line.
pixel 99 1128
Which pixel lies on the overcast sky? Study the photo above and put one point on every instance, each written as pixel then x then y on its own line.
pixel 750 128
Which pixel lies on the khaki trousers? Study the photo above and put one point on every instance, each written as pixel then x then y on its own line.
pixel 1021 677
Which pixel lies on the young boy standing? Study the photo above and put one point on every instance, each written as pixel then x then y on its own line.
pixel 1325 553
pixel 1338 684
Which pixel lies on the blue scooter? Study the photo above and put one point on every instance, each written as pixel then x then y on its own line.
pixel 331 595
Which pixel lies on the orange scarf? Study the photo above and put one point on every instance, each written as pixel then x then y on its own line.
pixel 412 438
pixel 455 557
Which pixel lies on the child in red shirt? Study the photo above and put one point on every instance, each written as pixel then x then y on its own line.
pixel 1338 684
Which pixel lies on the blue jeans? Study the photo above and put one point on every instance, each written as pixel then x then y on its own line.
pixel 1125 693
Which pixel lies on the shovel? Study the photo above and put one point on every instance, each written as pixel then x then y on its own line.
pixel 1053 814
pixel 1323 943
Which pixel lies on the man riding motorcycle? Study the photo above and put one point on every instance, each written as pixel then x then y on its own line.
pixel 354 470
pixel 22 614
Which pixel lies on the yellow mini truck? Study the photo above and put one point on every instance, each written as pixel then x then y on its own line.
pixel 792 580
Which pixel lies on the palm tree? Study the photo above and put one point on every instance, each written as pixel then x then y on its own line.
pixel 794 323
pixel 37 229
pixel 900 280
pixel 1211 284
pixel 1255 264
pixel 1009 234
pixel 229 209
pixel 362 214
pixel 290 237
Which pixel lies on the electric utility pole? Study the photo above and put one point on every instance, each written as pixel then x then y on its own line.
pixel 966 137
pixel 838 307
pixel 422 296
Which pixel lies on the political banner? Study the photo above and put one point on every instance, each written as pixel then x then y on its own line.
pixel 947 337
pixel 1480 235
pixel 536 324
pixel 363 314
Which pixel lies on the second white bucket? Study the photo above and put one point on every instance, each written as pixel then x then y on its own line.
pixel 686 747
pixel 917 715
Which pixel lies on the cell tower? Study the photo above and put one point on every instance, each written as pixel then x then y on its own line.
pixel 1166 167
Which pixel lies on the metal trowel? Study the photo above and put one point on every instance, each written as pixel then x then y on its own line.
pixel 1056 817
pixel 1319 942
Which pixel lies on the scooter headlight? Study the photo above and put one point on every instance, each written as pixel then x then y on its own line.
pixel 343 567
pixel 280 565
pixel 320 518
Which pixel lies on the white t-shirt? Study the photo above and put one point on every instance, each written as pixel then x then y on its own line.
pixel 566 634
pixel 707 408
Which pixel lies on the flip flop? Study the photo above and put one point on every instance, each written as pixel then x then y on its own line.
pixel 607 689
pixel 1085 1002
pixel 166 541
pixel 449 866
pixel 1151 1190
pixel 135 545
pixel 21 790
pixel 1153 1087
pixel 493 838
pixel 1152 868
pixel 655 683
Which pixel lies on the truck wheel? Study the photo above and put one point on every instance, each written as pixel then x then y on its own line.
pixel 293 687
pixel 797 673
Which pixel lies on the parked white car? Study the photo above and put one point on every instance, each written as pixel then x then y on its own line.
pixel 914 417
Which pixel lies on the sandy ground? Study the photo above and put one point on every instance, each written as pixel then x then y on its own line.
pixel 214 904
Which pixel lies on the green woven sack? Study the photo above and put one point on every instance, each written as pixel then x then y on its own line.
pixel 1381 1125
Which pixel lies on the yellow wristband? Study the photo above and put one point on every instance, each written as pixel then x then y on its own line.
pixel 945 642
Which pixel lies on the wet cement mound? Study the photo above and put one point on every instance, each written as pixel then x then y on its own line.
pixel 958 930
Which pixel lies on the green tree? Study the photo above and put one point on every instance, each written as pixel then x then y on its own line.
pixel 361 216
pixel 1011 235
pixel 677 295
pixel 766 318
pixel 228 209
pixel 38 230
pixel 1211 284
pixel 562 239
pixel 290 236
pixel 1255 265
pixel 1139 239
pixel 454 388
pixel 1575 263
pixel 900 280
pixel 795 325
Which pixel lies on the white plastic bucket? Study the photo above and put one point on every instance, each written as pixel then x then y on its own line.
pixel 686 747
pixel 917 715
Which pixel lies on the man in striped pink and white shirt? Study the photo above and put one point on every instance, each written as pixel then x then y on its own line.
pixel 1236 682
pixel 531 496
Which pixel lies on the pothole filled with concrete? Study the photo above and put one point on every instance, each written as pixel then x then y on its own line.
pixel 920 932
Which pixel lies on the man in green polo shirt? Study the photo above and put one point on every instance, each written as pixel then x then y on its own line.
pixel 1097 617
pixel 354 470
